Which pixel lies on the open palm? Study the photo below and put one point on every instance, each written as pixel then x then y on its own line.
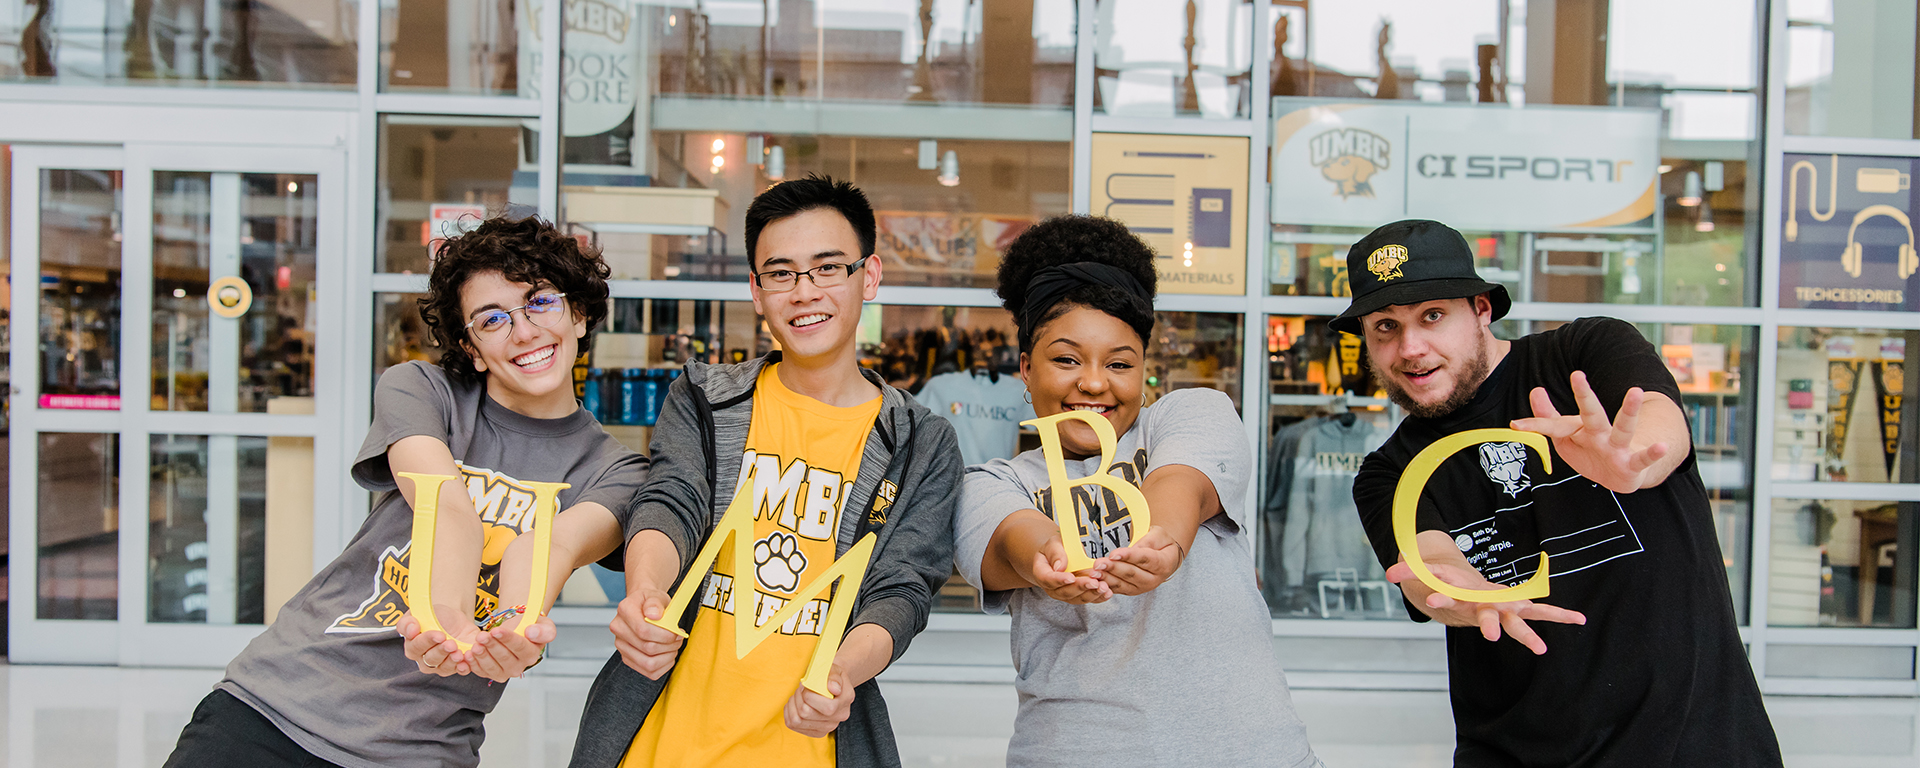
pixel 1600 450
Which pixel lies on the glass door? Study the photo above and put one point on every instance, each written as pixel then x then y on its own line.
pixel 179 396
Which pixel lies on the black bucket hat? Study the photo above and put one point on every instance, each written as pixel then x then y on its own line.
pixel 1409 262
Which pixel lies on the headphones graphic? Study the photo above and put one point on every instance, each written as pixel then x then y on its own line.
pixel 1909 259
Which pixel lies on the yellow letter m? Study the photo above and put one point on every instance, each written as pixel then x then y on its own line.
pixel 737 526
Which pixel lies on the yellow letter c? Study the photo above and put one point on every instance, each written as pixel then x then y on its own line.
pixel 1406 503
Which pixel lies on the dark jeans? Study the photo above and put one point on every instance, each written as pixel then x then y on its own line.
pixel 225 732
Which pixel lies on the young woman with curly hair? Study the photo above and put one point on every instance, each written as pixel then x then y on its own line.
pixel 1161 652
pixel 345 676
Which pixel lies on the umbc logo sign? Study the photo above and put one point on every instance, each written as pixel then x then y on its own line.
pixel 1349 157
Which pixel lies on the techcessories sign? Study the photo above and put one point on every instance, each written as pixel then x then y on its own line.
pixel 1366 163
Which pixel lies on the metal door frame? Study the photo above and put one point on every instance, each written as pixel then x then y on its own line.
pixel 131 640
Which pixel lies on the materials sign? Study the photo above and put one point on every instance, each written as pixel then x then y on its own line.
pixel 1366 163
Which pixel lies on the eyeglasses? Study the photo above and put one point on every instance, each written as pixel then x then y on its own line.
pixel 543 310
pixel 826 275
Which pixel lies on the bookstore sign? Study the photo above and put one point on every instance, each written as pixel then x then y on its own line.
pixel 1847 238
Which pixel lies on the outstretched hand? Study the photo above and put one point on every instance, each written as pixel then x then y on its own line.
pixel 498 655
pixel 1137 568
pixel 1599 450
pixel 1491 618
pixel 1050 574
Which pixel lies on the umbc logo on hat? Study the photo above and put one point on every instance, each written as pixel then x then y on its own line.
pixel 1349 157
pixel 1385 261
pixel 1412 262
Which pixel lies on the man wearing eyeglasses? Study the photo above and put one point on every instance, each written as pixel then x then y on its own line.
pixel 829 454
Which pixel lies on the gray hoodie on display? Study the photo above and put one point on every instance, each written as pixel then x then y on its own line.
pixel 911 455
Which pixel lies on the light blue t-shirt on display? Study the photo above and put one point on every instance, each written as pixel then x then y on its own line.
pixel 985 413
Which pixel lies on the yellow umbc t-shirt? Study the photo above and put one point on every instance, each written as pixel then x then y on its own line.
pixel 801 459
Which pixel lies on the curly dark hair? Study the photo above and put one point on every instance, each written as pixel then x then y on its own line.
pixel 524 250
pixel 1069 239
pixel 798 196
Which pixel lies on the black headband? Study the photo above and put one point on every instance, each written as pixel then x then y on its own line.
pixel 1052 284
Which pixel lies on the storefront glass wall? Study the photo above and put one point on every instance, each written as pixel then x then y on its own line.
pixel 282 44
pixel 1617 174
pixel 1589 152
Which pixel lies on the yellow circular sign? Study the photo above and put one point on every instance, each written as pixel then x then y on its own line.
pixel 229 296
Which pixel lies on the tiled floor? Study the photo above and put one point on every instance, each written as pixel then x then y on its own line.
pixel 102 716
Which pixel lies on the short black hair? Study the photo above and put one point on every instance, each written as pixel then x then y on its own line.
pixel 798 196
pixel 1069 239
pixel 523 250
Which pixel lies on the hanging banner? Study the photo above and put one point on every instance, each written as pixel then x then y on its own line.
pixel 1186 196
pixel 1844 377
pixel 597 72
pixel 1367 163
pixel 1889 382
pixel 1847 237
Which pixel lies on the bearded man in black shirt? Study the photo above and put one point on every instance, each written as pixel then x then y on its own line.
pixel 1646 666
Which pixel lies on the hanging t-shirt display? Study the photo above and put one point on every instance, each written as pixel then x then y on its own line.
pixel 1323 533
pixel 985 411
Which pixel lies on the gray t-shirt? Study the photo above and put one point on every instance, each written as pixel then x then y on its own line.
pixel 1182 675
pixel 331 672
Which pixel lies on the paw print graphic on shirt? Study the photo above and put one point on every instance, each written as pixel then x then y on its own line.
pixel 778 562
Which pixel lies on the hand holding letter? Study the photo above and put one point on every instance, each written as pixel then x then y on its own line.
pixel 1138 568
pixel 813 715
pixel 647 648
pixel 1489 617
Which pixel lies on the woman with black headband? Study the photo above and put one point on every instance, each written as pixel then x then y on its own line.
pixel 1161 652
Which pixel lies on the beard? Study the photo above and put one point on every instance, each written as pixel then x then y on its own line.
pixel 1473 371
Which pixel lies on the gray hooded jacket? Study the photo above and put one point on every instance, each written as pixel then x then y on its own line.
pixel 697 447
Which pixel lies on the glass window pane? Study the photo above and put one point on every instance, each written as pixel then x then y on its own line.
pixel 1166 59
pixel 80 289
pixel 1618 174
pixel 286 43
pixel 79 527
pixel 182 244
pixel 462 46
pixel 691 223
pixel 261 229
pixel 1840 403
pixel 206 543
pixel 279 243
pixel 1842 563
pixel 1850 68
pixel 439 174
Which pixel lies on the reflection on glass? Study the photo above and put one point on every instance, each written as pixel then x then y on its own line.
pixel 287 43
pixel 1838 408
pixel 80 289
pixel 182 239
pixel 1700 258
pixel 263 229
pixel 690 225
pixel 79 526
pixel 1324 411
pixel 206 560
pixel 1166 59
pixel 462 46
pixel 1842 563
pixel 438 175
pixel 1850 69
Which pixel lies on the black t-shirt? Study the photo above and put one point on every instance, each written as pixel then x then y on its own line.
pixel 1658 675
